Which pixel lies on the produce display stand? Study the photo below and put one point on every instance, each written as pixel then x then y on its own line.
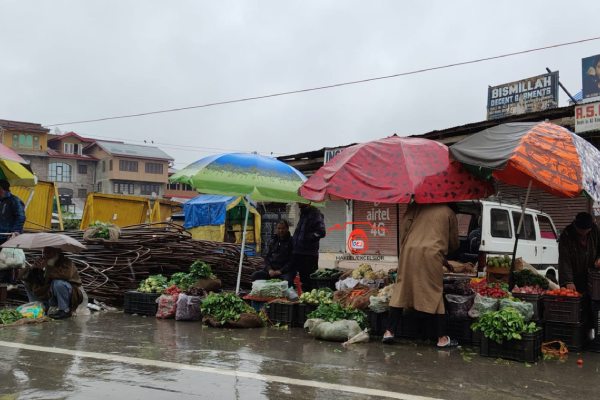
pixel 140 303
pixel 563 309
pixel 302 311
pixel 528 349
pixel 280 312
pixel 573 335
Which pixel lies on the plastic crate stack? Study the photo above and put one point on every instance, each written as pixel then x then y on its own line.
pixel 140 303
pixel 564 320
pixel 594 291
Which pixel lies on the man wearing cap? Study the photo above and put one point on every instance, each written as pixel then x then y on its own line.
pixel 578 252
pixel 12 213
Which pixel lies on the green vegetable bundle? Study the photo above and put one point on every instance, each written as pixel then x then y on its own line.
pixel 201 270
pixel 529 278
pixel 153 284
pixel 317 296
pixel 182 280
pixel 8 316
pixel 506 324
pixel 335 312
pixel 224 307
pixel 103 229
pixel 327 273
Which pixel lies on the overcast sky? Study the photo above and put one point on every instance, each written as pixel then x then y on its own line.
pixel 72 60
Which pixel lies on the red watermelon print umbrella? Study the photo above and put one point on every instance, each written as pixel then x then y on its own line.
pixel 395 170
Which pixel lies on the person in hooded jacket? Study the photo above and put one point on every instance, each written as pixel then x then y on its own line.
pixel 279 255
pixel 305 254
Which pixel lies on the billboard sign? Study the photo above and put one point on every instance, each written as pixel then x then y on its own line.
pixel 590 76
pixel 533 94
pixel 587 117
pixel 330 153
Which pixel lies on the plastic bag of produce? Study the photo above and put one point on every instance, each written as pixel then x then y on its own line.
pixel 348 283
pixel 32 310
pixel 379 304
pixel 246 321
pixel 337 331
pixel 188 308
pixel 12 258
pixel 361 299
pixel 271 288
pixel 524 308
pixel 483 304
pixel 167 306
pixel 460 287
pixel 209 285
pixel 459 306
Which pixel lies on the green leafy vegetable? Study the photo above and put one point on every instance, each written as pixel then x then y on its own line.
pixel 153 284
pixel 103 231
pixel 201 270
pixel 335 312
pixel 506 324
pixel 529 278
pixel 224 307
pixel 8 316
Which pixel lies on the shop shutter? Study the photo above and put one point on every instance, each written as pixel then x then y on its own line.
pixel 562 210
pixel 335 215
pixel 380 223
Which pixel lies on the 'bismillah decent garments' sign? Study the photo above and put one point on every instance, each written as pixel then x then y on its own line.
pixel 528 95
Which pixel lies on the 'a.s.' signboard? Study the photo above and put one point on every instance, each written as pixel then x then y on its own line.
pixel 590 76
pixel 527 95
pixel 587 117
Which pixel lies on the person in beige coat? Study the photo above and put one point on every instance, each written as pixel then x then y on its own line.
pixel 428 233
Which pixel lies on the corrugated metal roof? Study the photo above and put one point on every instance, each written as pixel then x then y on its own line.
pixel 133 150
pixel 22 126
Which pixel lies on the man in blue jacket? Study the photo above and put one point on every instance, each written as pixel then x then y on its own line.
pixel 12 218
pixel 305 254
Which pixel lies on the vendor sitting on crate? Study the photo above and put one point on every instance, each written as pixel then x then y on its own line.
pixel 578 252
pixel 53 279
pixel 278 256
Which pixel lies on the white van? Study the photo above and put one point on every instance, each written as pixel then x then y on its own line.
pixel 498 222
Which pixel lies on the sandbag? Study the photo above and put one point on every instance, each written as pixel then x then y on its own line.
pixel 113 234
pixel 524 308
pixel 483 304
pixel 379 304
pixel 459 306
pixel 263 288
pixel 209 285
pixel 246 321
pixel 167 306
pixel 337 331
pixel 11 258
pixel 188 308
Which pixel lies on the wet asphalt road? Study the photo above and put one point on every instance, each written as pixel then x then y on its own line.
pixel 123 356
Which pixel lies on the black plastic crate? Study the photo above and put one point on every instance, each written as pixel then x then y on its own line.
pixel 140 303
pixel 302 311
pixel 378 323
pixel 281 313
pixel 537 300
pixel 594 285
pixel 595 343
pixel 460 329
pixel 563 309
pixel 573 335
pixel 528 349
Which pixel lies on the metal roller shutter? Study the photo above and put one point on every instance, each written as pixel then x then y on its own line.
pixel 380 223
pixel 335 215
pixel 562 210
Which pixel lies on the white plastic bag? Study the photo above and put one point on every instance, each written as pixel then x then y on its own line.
pixel 83 309
pixel 337 331
pixel 262 288
pixel 12 258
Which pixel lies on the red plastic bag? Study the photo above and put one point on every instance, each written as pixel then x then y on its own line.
pixel 167 306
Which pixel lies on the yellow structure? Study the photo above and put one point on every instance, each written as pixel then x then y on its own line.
pixel 162 210
pixel 39 202
pixel 115 209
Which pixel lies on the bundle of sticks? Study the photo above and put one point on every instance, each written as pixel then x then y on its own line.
pixel 109 268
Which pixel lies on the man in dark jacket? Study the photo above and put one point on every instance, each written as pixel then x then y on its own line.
pixel 308 233
pixel 578 252
pixel 279 254
pixel 12 212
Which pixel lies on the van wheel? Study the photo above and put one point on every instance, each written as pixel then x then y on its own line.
pixel 552 276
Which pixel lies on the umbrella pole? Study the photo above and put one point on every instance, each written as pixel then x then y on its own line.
pixel 239 277
pixel 521 218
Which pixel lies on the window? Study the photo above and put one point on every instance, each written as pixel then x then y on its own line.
pixel 59 172
pixel 110 165
pixel 180 186
pixel 99 187
pixel 125 165
pixel 500 221
pixel 464 223
pixel 528 229
pixel 154 168
pixel 546 228
pixel 124 188
pixel 72 148
pixel 82 169
pixel 25 141
pixel 103 166
pixel 149 188
pixel 82 193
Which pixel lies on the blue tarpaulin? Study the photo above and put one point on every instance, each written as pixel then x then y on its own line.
pixel 206 209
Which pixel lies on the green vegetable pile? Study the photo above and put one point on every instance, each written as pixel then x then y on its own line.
pixel 198 270
pixel 201 270
pixel 529 278
pixel 327 273
pixel 317 296
pixel 270 288
pixel 153 284
pixel 182 280
pixel 335 312
pixel 8 316
pixel 103 231
pixel 503 262
pixel 224 307
pixel 506 324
